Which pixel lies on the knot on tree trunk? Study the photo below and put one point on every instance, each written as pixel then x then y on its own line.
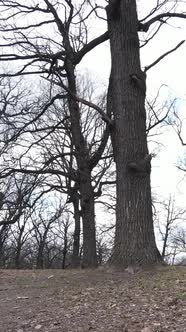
pixel 139 81
pixel 141 167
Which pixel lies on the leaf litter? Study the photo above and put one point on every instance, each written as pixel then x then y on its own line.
pixel 93 300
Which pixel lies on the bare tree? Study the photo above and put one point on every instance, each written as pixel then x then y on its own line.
pixel 179 239
pixel 19 193
pixel 168 219
pixel 56 62
pixel 41 227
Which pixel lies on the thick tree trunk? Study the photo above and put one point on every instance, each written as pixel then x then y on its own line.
pixel 17 257
pixel 40 256
pixel 88 219
pixel 134 239
pixel 19 248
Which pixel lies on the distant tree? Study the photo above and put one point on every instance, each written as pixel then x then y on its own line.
pixel 179 238
pixel 56 62
pixel 4 235
pixel 41 227
pixel 19 237
pixel 18 193
pixel 168 219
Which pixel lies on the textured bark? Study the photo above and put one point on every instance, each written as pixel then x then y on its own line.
pixel 40 255
pixel 19 248
pixel 134 239
pixel 76 242
pixel 17 258
pixel 65 248
pixel 165 240
pixel 3 236
pixel 88 219
pixel 41 247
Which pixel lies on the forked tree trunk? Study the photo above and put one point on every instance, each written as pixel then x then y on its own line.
pixel 84 172
pixel 134 239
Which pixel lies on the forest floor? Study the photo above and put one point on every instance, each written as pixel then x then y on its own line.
pixel 93 300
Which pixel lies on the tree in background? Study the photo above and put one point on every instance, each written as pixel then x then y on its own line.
pixel 4 236
pixel 55 59
pixel 169 219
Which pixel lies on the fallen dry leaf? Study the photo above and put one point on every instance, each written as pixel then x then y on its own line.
pixel 146 329
pixel 22 297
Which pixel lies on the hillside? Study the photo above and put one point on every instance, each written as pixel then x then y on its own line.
pixel 99 300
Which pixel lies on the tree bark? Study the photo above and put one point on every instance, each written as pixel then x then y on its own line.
pixel 76 242
pixel 65 249
pixel 40 256
pixel 3 236
pixel 165 240
pixel 134 238
pixel 17 257
pixel 19 248
pixel 88 219
pixel 84 170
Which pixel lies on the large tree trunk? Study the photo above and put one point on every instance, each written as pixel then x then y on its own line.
pixel 40 256
pixel 134 239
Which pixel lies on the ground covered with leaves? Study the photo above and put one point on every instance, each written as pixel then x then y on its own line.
pixel 99 300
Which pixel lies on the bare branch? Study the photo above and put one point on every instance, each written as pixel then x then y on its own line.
pixel 87 48
pixel 163 56
pixel 145 26
pixel 6 173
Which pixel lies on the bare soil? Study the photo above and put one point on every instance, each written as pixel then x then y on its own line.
pixel 93 300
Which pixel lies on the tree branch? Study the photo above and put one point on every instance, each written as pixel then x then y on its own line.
pixel 145 26
pixel 163 56
pixel 70 175
pixel 87 48
pixel 105 117
pixel 97 155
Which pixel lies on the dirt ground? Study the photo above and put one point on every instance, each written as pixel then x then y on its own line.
pixel 98 300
